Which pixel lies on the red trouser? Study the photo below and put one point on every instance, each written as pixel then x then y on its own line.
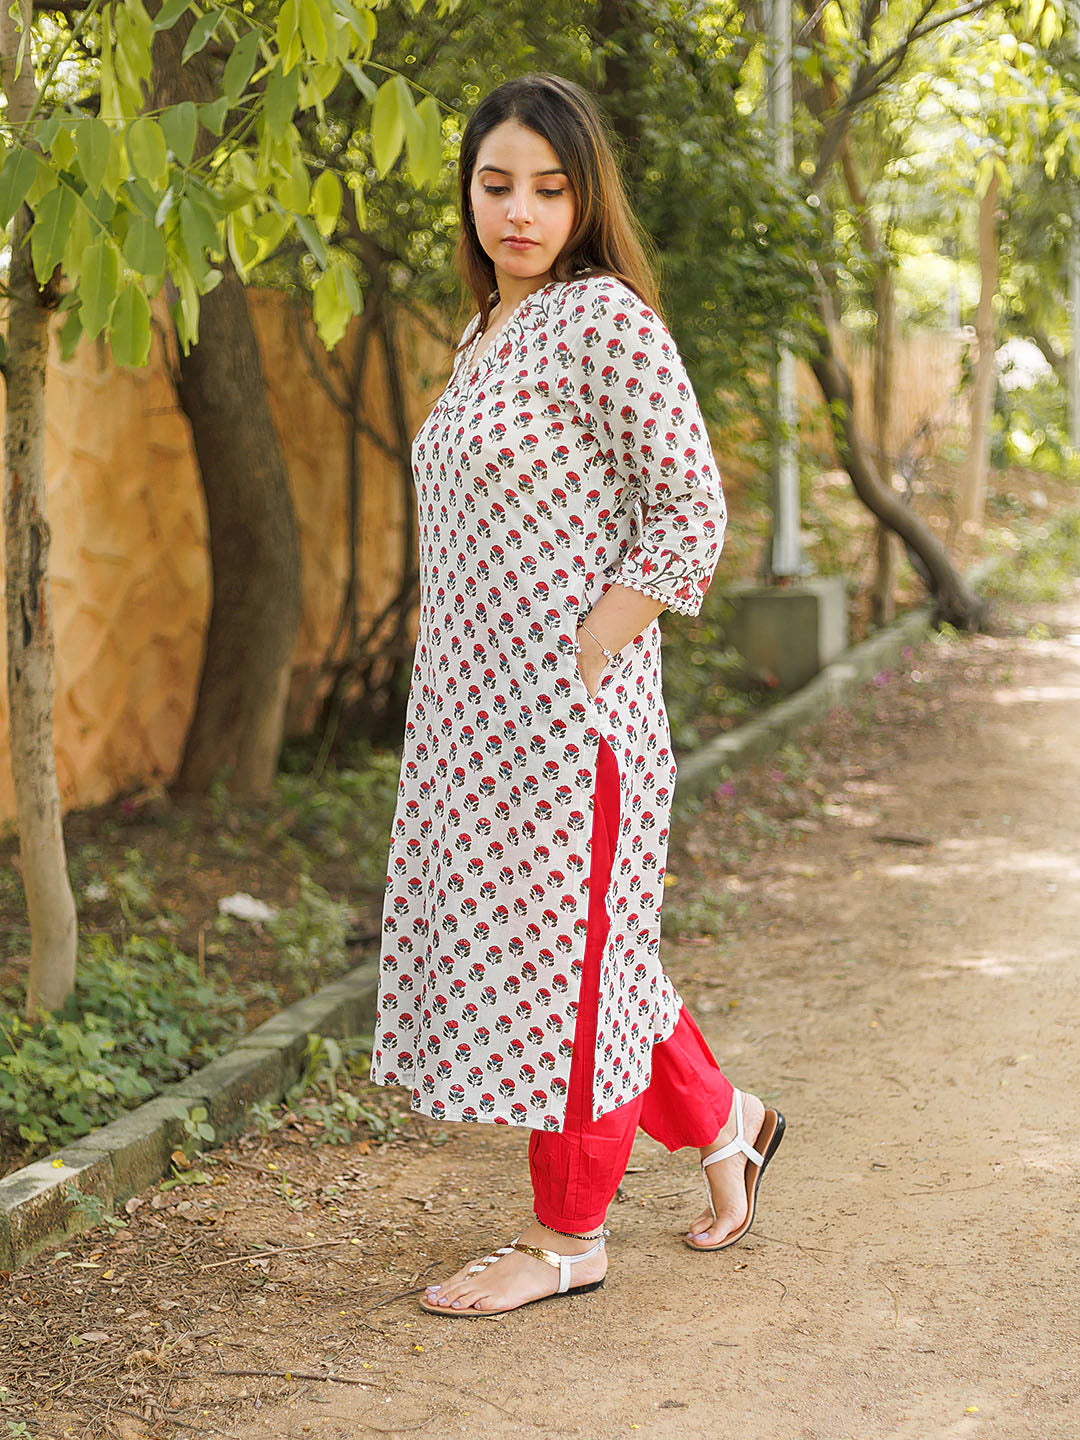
pixel 576 1171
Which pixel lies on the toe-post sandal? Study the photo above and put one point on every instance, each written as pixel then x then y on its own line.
pixel 562 1263
pixel 768 1139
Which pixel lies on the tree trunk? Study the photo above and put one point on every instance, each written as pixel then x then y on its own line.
pixel 955 601
pixel 254 546
pixel 972 500
pixel 883 592
pixel 30 668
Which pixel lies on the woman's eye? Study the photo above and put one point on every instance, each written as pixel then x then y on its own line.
pixel 501 190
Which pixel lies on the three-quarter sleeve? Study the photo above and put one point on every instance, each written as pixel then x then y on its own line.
pixel 624 370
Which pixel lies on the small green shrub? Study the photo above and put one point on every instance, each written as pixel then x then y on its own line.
pixel 310 935
pixel 333 1095
pixel 345 814
pixel 704 677
pixel 141 1017
pixel 1043 560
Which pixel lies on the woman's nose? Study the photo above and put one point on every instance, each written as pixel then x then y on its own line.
pixel 519 207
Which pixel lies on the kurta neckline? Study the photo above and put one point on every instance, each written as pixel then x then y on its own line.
pixel 471 370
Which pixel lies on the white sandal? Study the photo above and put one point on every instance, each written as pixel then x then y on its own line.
pixel 562 1263
pixel 768 1138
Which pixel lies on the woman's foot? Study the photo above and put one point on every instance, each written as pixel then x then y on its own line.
pixel 727 1179
pixel 515 1279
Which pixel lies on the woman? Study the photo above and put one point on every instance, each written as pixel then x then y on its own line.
pixel 520 975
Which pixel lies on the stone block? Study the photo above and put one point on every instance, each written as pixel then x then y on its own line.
pixel 791 632
pixel 342 1009
pixel 35 1208
pixel 140 1143
pixel 229 1085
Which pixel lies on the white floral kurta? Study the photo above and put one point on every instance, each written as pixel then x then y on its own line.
pixel 570 455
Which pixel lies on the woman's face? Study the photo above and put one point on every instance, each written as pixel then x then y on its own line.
pixel 519 190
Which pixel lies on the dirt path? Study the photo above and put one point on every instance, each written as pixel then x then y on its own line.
pixel 910 1006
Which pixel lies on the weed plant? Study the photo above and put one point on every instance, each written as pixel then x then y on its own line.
pixel 142 1016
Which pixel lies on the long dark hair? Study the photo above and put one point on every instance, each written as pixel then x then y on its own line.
pixel 607 238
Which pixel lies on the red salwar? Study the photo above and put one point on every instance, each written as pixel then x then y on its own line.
pixel 576 1171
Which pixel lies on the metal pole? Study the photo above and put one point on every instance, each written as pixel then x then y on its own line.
pixel 786 558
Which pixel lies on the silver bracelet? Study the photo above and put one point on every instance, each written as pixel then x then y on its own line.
pixel 577 643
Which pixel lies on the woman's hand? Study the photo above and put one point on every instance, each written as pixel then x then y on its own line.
pixel 591 668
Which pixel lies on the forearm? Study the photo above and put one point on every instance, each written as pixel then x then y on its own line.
pixel 618 617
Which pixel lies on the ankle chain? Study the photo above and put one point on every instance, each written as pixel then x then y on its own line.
pixel 571 1234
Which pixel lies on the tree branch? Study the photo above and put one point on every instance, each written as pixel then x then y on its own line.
pixel 869 77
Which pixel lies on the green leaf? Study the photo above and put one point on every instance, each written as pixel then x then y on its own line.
pixel 290 43
pixel 168 203
pixel 240 64
pixel 45 130
pixel 423 137
pixel 282 92
pixel 144 248
pixel 110 107
pixel 93 141
pixel 17 176
pixel 388 124
pixel 170 13
pixel 98 284
pixel 430 158
pixel 148 152
pixel 294 188
pixel 313 30
pixel 52 221
pixel 359 203
pixel 212 114
pixel 45 179
pixel 326 198
pixel 243 246
pixel 312 239
pixel 363 83
pixel 199 229
pixel 336 298
pixel 180 125
pixel 129 327
pixel 269 230
pixel 79 237
pixel 62 148
pixel 361 23
pixel 201 32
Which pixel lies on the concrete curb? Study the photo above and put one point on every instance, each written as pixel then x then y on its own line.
pixel 703 770
pixel 131 1153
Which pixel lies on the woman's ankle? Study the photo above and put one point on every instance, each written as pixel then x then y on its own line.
pixel 565 1238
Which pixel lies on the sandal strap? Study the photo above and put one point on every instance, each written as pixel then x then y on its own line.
pixel 734 1147
pixel 562 1263
pixel 479 1265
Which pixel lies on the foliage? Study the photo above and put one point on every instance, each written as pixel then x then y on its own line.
pixel 1043 560
pixel 141 1017
pixel 311 934
pixel 124 198
pixel 703 676
pixel 346 812
pixel 1031 427
pixel 332 1099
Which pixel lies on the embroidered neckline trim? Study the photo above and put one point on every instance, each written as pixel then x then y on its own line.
pixel 473 366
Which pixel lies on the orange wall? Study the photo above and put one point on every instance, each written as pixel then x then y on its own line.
pixel 129 566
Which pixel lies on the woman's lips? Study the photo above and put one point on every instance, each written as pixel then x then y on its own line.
pixel 520 244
